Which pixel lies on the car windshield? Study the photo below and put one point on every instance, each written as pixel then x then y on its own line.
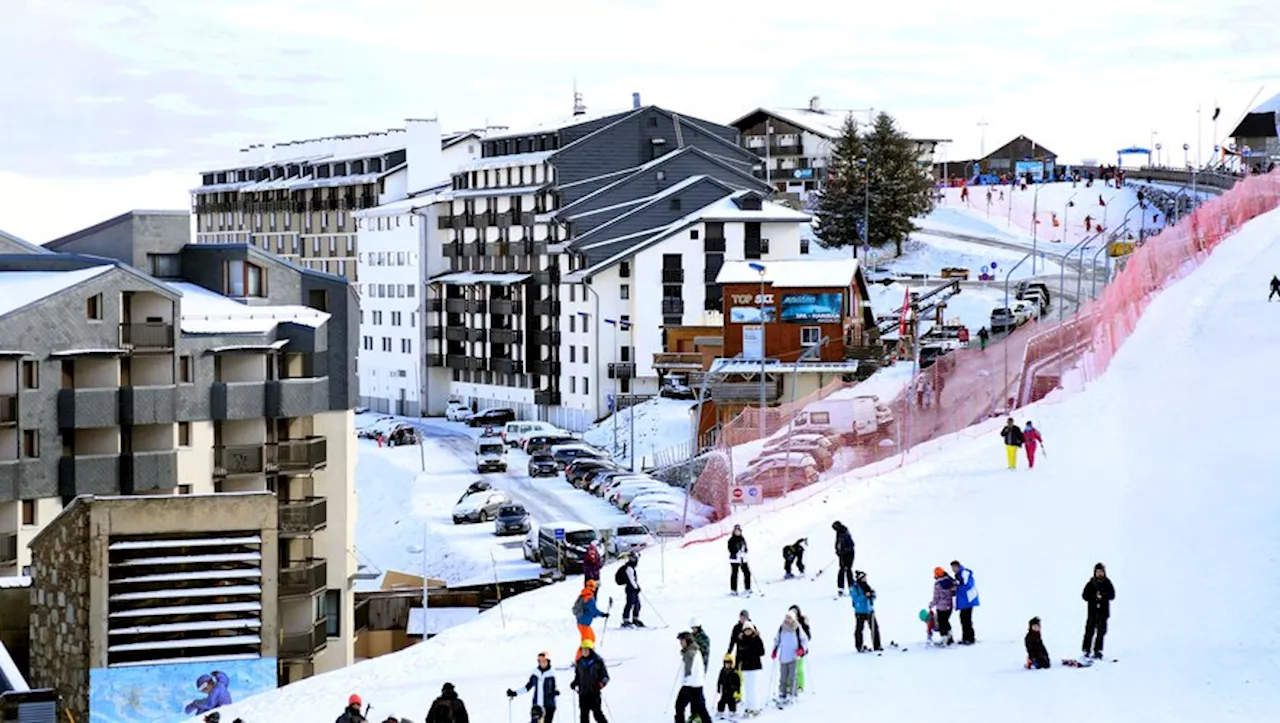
pixel 580 537
pixel 491 449
pixel 632 531
pixel 511 511
pixel 543 457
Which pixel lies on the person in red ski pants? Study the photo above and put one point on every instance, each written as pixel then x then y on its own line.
pixel 1030 440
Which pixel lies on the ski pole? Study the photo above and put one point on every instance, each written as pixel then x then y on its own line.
pixel 825 567
pixel 605 631
pixel 653 608
pixel 509 701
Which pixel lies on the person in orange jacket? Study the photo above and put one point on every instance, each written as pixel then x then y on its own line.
pixel 585 611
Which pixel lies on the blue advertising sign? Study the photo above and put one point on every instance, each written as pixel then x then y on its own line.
pixel 816 308
pixel 168 692
pixel 802 173
pixel 559 534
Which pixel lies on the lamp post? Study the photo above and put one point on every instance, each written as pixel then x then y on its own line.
pixel 1150 148
pixel 631 416
pixel 1093 271
pixel 415 550
pixel 768 172
pixel 1007 276
pixel 617 408
pixel 595 372
pixel 795 381
pixel 760 269
pixel 1035 225
pixel 1062 274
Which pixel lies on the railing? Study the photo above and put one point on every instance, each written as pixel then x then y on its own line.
pixel 435 332
pixel 436 304
pixel 550 337
pixel 305 645
pixel 677 360
pixel 435 360
pixel 549 368
pixel 303 577
pixel 622 370
pixel 303 517
pixel 452 249
pixel 8 548
pixel 456 361
pixel 147 336
pixel 672 306
pixel 477 334
pixel 455 306
pixel 506 336
pixel 302 454
pixel 547 307
pixel 8 408
pixel 507 366
pixel 455 333
pixel 477 306
pixel 673 276
pixel 505 306
pixel 744 391
pixel 546 397
pixel 713 245
pixel 238 459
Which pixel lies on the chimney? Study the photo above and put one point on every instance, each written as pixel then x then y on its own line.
pixel 814 105
pixel 578 107
pixel 635 101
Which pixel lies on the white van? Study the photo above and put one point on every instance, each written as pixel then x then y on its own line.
pixel 515 433
pixel 850 418
pixel 491 454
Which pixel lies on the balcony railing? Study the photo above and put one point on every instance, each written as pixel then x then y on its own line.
pixel 148 471
pixel 456 361
pixel 8 409
pixel 299 397
pixel 677 360
pixel 477 306
pixel 8 548
pixel 435 304
pixel 147 336
pixel 622 370
pixel 550 337
pixel 238 400
pixel 745 391
pixel 238 459
pixel 547 307
pixel 477 334
pixel 303 578
pixel 89 408
pixel 302 454
pixel 435 332
pixel 306 644
pixel 507 366
pixel 672 306
pixel 673 276
pixel 549 368
pixel 90 474
pixel 302 518
pixel 713 245
pixel 547 276
pixel 455 306
pixel 506 336
pixel 149 405
pixel 505 307
pixel 546 397
pixel 455 333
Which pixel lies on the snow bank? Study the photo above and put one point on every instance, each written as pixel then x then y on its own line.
pixel 660 424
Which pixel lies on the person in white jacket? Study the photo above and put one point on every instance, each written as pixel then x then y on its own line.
pixel 789 645
pixel 543 685
pixel 693 674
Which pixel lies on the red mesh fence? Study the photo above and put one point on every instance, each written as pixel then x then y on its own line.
pixel 967 386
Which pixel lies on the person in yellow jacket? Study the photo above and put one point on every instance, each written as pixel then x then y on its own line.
pixel 1012 441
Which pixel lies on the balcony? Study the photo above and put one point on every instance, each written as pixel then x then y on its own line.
pixel 435 304
pixel 16 476
pixel 547 276
pixel 303 578
pixel 435 332
pixel 547 307
pixel 505 307
pixel 457 361
pixel 535 248
pixel 713 245
pixel 673 276
pixel 302 455
pixel 476 306
pixel 453 249
pixel 8 410
pixel 297 397
pixel 546 398
pixel 475 248
pixel 8 548
pixel 89 474
pixel 507 366
pixel 237 400
pixel 455 333
pixel 302 518
pixel 89 408
pixel 549 337
pixel 672 306
pixel 745 392
pixel 306 644
pixel 477 334
pixel 148 471
pixel 622 370
pixel 506 336
pixel 435 360
pixel 455 306
pixel 238 459
pixel 548 368
pixel 146 336
pixel 677 361
pixel 149 405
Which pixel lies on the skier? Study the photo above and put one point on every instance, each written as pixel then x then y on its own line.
pixel 735 637
pixel 352 712
pixel 591 563
pixel 728 687
pixel 543 684
pixel 788 647
pixel 944 592
pixel 629 579
pixel 1031 439
pixel 751 664
pixel 590 676
pixel 1037 656
pixel 966 601
pixel 448 708
pixel 1275 287
pixel 702 639
pixel 1098 593
pixel 585 612
pixel 738 559
pixel 983 337
pixel 864 610
pixel 844 555
pixel 692 677
pixel 1012 440
pixel 808 634
pixel 794 553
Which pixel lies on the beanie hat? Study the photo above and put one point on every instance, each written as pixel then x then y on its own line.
pixel 939 572
pixel 1033 621
pixel 1100 566
pixel 859 575
pixel 354 700
pixel 588 644
pixel 446 688
pixel 728 657
pixel 695 623
pixel 744 614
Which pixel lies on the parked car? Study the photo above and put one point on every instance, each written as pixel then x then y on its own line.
pixel 477 486
pixel 878 275
pixel 668 521
pixel 480 507
pixel 566 453
pixel 512 519
pixel 672 389
pixel 819 451
pixel 1002 320
pixel 569 554
pixel 671 498
pixel 515 433
pixel 1025 311
pixel 380 425
pixel 543 464
pixel 544 442
pixel 625 538
pixel 582 467
pixel 955 272
pixel 530 545
pixel 458 411
pixel 598 483
pixel 491 454
pixel 622 495
pixel 492 417
pixel 609 486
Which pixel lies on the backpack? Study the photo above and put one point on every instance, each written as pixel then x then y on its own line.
pixel 620 577
pixel 579 607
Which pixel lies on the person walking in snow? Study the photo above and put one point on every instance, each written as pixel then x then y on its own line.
pixel 728 688
pixel 794 554
pixel 352 714
pixel 1098 594
pixel 590 676
pixel 630 581
pixel 585 612
pixel 735 636
pixel 591 564
pixel 448 708
pixel 1275 287
pixel 751 665
pixel 738 560
pixel 983 337
pixel 803 621
pixel 543 684
pixel 1031 440
pixel 702 640
pixel 693 671
pixel 864 611
pixel 1037 656
pixel 1012 437
pixel 944 593
pixel 845 553
pixel 789 646
pixel 966 601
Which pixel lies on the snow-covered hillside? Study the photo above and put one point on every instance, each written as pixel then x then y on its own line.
pixel 1155 469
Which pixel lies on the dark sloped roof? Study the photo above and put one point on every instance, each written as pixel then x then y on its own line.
pixel 21 243
pixel 1256 125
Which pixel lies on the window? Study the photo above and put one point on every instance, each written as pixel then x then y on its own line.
pixel 30 443
pixel 586 385
pixel 367 343
pixel 184 489
pixel 586 355
pixel 406 346
pixel 625 291
pixel 342 268
pixel 30 375
pixel 399 258
pixel 804 245
pixel 409 291
pixel 185 373
pixel 333 612
pixel 573 324
pixel 693 234
pixel 184 434
pixel 624 270
pixel 810 335
pixel 573 292
pixel 573 353
pixel 386 343
pixel 246 279
pixel 377 318
pixel 333 245
pixel 318 299
pixel 93 307
pixel 165 266
pixel 413 317
pixel 573 385
pixel 29 512
pixel 624 353
pixel 315 244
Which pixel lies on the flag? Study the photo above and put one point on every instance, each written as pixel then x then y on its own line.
pixel 902 317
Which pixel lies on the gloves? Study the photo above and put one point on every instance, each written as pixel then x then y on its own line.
pixel 604 615
pixel 573 685
pixel 511 693
pixel 800 653
pixel 600 685
pixel 775 654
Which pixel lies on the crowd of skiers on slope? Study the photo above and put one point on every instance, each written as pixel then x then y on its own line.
pixel 1028 439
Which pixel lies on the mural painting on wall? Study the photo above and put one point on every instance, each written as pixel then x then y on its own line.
pixel 175 691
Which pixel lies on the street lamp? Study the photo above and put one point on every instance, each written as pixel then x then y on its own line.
pixel 1007 276
pixel 617 406
pixel 416 550
pixel 1035 225
pixel 760 269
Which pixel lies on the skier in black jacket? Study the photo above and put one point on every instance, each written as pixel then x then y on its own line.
pixel 1275 287
pixel 738 560
pixel 844 554
pixel 590 676
pixel 1037 656
pixel 352 713
pixel 1012 437
pixel 448 708
pixel 1098 594
pixel 735 636
pixel 794 553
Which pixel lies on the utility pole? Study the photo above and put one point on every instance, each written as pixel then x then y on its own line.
pixel 617 408
pixel 760 269
pixel 982 143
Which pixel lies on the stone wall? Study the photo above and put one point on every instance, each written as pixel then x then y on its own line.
pixel 60 570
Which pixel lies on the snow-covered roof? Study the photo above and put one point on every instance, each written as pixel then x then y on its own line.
pixel 1269 106
pixel 13 352
pixel 826 123
pixel 558 123
pixel 403 206
pixel 90 351
pixel 726 209
pixel 439 619
pixel 22 288
pixel 495 191
pixel 233 348
pixel 792 274
pixel 479 277
pixel 748 366
pixel 208 312
pixel 515 159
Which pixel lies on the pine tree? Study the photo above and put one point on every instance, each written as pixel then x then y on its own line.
pixel 899 188
pixel 841 206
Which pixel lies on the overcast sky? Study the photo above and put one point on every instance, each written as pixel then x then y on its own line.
pixel 117 104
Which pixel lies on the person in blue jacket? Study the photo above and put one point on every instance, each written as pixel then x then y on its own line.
pixel 966 601
pixel 217 689
pixel 864 609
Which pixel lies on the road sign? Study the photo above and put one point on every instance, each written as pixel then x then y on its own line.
pixel 746 494
pixel 985 269
pixel 993 264
pixel 866 249
pixel 559 534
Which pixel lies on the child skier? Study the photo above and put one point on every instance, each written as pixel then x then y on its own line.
pixel 738 561
pixel 864 610
pixel 729 686
pixel 1037 656
pixel 944 592
pixel 788 647
pixel 794 553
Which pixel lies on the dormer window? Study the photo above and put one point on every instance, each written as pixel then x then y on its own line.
pixel 244 279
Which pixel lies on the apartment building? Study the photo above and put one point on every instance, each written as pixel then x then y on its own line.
pixel 156 366
pixel 298 199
